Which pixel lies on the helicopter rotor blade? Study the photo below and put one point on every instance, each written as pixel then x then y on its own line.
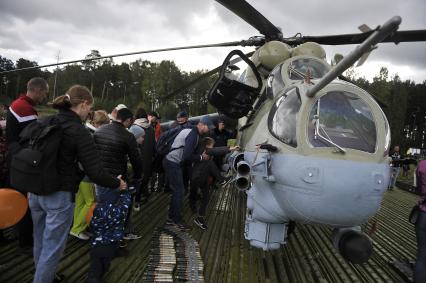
pixel 356 38
pixel 253 17
pixel 224 44
pixel 376 37
pixel 203 77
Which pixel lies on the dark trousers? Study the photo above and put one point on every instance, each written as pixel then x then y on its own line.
pixel 100 260
pixel 128 224
pixel 420 270
pixel 203 171
pixel 186 173
pixel 25 230
pixel 205 196
pixel 142 189
pixel 175 177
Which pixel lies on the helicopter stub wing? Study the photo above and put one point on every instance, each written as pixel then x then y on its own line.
pixel 253 17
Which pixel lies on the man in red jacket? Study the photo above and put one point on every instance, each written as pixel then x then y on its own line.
pixel 21 113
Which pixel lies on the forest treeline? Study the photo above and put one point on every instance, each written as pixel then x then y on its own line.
pixel 146 84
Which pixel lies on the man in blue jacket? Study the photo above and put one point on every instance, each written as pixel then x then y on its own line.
pixel 183 151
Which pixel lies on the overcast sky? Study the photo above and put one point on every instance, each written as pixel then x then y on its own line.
pixel 39 29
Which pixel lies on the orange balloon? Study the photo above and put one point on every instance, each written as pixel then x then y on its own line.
pixel 13 206
pixel 89 213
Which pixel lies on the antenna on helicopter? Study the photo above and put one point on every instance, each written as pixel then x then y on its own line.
pixel 369 44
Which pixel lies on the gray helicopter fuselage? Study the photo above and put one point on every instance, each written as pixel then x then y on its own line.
pixel 302 181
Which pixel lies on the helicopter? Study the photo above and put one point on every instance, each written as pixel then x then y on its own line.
pixel 314 146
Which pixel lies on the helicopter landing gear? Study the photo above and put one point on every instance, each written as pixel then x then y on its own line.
pixel 352 244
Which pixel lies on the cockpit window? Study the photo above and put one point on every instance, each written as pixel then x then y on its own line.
pixel 275 82
pixel 344 120
pixel 301 68
pixel 283 117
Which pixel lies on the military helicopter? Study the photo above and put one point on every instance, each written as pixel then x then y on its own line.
pixel 314 146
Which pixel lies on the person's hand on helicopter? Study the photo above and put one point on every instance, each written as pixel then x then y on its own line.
pixel 234 148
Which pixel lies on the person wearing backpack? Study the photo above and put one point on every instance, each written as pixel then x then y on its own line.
pixel 85 197
pixel 52 213
pixel 420 269
pixel 21 113
pixel 182 152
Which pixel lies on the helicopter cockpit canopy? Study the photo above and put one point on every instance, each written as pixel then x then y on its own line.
pixel 342 118
pixel 283 117
pixel 229 94
pixel 294 70
pixel 301 68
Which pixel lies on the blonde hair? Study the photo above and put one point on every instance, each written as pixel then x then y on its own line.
pixel 100 117
pixel 74 96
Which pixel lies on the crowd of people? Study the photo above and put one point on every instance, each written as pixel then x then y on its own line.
pixel 107 166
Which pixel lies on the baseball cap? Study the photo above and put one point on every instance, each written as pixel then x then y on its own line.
pixel 182 114
pixel 206 121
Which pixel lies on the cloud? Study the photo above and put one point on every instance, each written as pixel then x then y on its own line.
pixel 37 30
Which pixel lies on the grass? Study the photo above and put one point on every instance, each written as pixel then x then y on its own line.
pixel 45 110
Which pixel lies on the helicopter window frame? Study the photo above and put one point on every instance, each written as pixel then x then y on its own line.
pixel 275 81
pixel 355 136
pixel 286 135
pixel 300 75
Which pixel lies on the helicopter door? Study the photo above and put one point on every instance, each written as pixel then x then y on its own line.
pixel 343 120
pixel 283 117
pixel 230 96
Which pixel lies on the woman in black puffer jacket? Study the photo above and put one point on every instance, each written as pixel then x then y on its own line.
pixel 52 214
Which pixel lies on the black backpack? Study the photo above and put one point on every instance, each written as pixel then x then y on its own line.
pixel 33 168
pixel 165 141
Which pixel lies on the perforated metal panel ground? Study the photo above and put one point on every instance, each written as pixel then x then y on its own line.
pixel 228 257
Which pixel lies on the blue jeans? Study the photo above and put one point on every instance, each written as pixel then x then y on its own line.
pixel 394 176
pixel 52 217
pixel 174 175
pixel 420 270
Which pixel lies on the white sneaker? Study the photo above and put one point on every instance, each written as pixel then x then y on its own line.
pixel 131 236
pixel 81 236
pixel 136 207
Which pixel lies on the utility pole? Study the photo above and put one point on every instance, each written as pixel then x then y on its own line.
pixel 56 74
